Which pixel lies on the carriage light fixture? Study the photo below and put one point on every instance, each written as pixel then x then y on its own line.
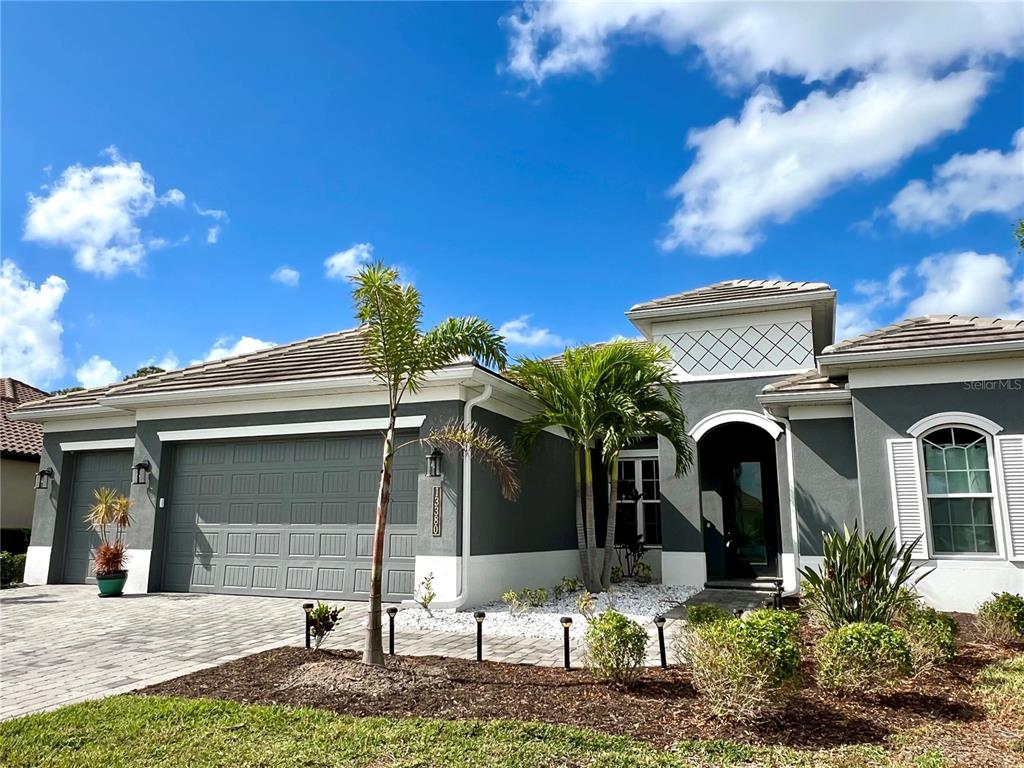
pixel 140 473
pixel 434 463
pixel 43 478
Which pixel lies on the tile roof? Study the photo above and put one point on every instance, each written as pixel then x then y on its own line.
pixel 19 438
pixel 729 291
pixel 929 332
pixel 811 381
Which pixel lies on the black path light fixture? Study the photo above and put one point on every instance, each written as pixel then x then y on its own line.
pixel 566 622
pixel 392 612
pixel 659 622
pixel 307 607
pixel 479 616
pixel 43 477
pixel 140 473
pixel 434 463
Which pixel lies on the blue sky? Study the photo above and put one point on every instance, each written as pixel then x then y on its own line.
pixel 160 162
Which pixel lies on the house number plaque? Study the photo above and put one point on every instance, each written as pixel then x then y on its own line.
pixel 435 512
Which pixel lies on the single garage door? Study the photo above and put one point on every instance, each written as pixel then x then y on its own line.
pixel 289 516
pixel 92 469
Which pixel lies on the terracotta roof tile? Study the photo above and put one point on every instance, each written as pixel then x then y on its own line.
pixel 19 438
pixel 731 290
pixel 929 332
pixel 808 381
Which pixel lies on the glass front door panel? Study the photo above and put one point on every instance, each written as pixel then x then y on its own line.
pixel 749 540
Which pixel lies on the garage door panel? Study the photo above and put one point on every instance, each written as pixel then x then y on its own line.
pixel 291 517
pixel 91 470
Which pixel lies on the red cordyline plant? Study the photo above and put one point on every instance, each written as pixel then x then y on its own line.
pixel 109 516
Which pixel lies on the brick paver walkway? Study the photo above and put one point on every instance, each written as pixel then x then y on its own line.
pixel 60 643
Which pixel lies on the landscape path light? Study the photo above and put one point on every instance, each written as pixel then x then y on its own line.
pixel 566 623
pixel 479 616
pixel 307 607
pixel 392 612
pixel 659 622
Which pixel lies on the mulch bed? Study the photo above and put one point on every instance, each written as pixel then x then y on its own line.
pixel 662 709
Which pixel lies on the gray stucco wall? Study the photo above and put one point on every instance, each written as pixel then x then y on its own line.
pixel 49 514
pixel 543 518
pixel 825 479
pixel 881 413
pixel 680 510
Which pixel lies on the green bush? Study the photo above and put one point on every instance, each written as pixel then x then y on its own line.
pixel 514 601
pixel 703 613
pixel 567 586
pixel 931 635
pixel 535 598
pixel 1001 619
pixel 322 620
pixel 643 573
pixel 12 568
pixel 862 579
pixel 862 657
pixel 615 647
pixel 616 576
pixel 745 667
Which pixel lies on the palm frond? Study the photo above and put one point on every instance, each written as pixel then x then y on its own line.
pixel 483 447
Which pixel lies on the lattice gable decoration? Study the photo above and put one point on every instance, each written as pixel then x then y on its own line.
pixel 769 347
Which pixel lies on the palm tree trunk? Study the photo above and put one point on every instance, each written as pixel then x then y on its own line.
pixel 594 584
pixel 613 518
pixel 373 649
pixel 581 534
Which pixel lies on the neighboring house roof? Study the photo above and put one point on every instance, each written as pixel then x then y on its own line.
pixel 932 332
pixel 19 438
pixel 734 292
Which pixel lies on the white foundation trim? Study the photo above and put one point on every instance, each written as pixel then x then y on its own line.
pixel 307 428
pixel 684 568
pixel 963 585
pixel 37 564
pixel 491 575
pixel 137 564
pixel 708 423
pixel 948 418
pixel 833 411
pixel 790 578
pixel 444 569
pixel 98 445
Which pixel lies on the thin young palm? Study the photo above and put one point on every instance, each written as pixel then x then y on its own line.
pixel 400 355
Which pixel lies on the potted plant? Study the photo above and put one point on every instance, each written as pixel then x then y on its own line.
pixel 109 517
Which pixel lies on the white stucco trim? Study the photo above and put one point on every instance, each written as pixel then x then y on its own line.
pixel 37 564
pixel 137 563
pixel 98 445
pixel 682 376
pixel 491 575
pixel 713 420
pixel 116 419
pixel 789 563
pixel 684 568
pixel 947 418
pixel 808 412
pixel 960 372
pixel 445 570
pixel 306 428
pixel 963 585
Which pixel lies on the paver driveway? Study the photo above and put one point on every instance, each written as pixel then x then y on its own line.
pixel 61 643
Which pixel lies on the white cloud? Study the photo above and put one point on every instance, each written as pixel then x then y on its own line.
pixel 223 347
pixel 346 263
pixel 30 331
pixel 213 234
pixel 986 181
pixel 772 162
pixel 96 212
pixel 285 276
pixel 521 333
pixel 813 41
pixel 857 317
pixel 221 217
pixel 97 372
pixel 969 283
pixel 173 197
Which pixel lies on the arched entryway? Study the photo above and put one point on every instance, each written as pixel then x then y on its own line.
pixel 739 490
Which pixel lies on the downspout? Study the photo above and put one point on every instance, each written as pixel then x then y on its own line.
pixel 467 486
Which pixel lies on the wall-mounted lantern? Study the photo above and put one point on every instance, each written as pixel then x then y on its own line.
pixel 43 477
pixel 434 463
pixel 140 473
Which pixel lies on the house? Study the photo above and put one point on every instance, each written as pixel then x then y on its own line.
pixel 257 474
pixel 20 445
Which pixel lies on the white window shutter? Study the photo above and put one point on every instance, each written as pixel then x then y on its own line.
pixel 907 494
pixel 1010 460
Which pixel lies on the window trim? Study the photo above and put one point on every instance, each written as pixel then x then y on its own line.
pixel 995 477
pixel 639 455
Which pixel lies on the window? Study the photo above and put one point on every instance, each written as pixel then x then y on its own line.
pixel 958 486
pixel 638 507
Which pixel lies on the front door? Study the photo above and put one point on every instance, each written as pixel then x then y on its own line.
pixel 740 502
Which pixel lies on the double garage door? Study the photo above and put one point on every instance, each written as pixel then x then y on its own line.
pixel 291 517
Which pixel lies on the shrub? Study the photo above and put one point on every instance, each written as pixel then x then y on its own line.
pixel 535 598
pixel 703 613
pixel 567 586
pixel 425 594
pixel 862 579
pixel 862 657
pixel 12 568
pixel 616 575
pixel 109 557
pixel 745 667
pixel 931 635
pixel 1001 685
pixel 615 647
pixel 1001 618
pixel 514 602
pixel 642 572
pixel 322 620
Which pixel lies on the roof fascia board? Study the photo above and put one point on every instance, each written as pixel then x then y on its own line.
pixel 39 415
pixel 806 298
pixel 952 351
pixel 805 397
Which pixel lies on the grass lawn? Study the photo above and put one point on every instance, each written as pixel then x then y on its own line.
pixel 160 731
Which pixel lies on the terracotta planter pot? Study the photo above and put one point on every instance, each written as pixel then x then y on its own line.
pixel 111 584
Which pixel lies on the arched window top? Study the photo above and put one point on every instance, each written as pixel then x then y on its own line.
pixel 708 423
pixel 954 418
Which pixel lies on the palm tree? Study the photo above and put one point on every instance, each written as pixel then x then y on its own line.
pixel 604 397
pixel 400 356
